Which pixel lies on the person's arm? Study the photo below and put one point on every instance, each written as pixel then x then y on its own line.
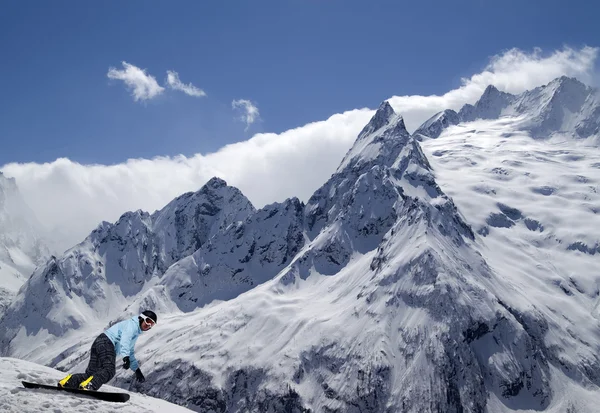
pixel 128 339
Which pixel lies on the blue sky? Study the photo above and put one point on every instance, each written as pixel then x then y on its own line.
pixel 298 61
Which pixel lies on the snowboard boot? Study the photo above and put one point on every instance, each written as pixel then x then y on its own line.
pixel 86 384
pixel 64 381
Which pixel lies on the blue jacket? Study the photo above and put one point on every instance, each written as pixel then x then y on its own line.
pixel 123 335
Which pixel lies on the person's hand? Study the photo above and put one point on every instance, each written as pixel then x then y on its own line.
pixel 126 362
pixel 139 376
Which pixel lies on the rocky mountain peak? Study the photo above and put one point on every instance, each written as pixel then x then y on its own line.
pixel 436 124
pixel 379 142
pixel 215 183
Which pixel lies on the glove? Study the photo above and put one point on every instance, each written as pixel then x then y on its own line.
pixel 139 376
pixel 126 362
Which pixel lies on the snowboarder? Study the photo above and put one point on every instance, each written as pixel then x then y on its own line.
pixel 117 340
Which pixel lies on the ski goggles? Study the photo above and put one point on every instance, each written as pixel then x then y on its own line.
pixel 148 320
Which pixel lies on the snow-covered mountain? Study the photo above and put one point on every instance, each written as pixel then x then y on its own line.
pixel 95 281
pixel 563 106
pixel 435 125
pixel 239 258
pixel 22 247
pixel 394 304
pixel 456 274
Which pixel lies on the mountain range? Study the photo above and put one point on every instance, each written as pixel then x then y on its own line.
pixel 451 270
pixel 564 106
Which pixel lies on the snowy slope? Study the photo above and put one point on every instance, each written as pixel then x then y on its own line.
pixel 21 244
pixel 16 399
pixel 588 121
pixel 564 106
pixel 536 206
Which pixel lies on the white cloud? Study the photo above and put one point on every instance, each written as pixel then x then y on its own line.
pixel 176 84
pixel 269 167
pixel 142 85
pixel 249 111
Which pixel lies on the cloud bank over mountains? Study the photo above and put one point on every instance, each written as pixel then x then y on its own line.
pixel 72 198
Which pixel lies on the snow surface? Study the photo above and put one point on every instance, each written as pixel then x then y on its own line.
pixel 459 274
pixel 536 206
pixel 17 399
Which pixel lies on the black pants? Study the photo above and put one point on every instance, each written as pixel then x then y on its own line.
pixel 101 365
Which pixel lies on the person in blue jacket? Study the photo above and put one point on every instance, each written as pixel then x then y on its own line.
pixel 117 340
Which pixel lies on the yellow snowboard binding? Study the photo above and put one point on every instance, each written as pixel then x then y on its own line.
pixel 64 381
pixel 85 385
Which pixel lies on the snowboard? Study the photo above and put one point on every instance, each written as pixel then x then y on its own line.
pixel 100 395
